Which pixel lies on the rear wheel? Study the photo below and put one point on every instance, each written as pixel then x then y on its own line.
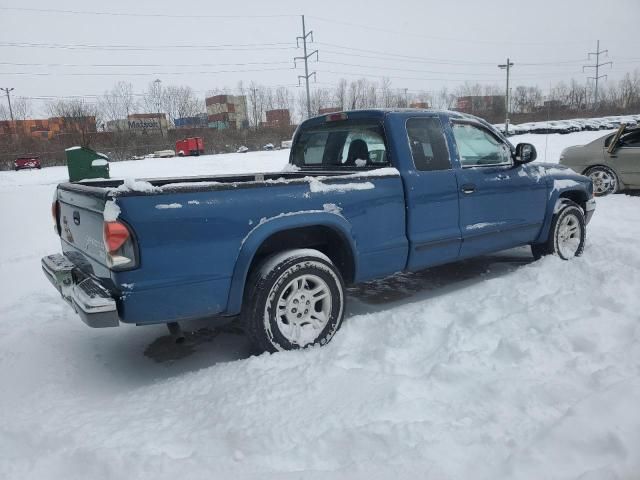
pixel 605 180
pixel 567 234
pixel 295 299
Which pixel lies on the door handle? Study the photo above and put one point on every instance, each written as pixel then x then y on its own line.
pixel 468 188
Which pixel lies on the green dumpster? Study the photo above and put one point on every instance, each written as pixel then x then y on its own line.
pixel 83 163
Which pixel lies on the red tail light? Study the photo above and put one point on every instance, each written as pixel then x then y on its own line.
pixel 115 236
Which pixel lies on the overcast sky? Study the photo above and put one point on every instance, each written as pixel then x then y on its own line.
pixel 419 45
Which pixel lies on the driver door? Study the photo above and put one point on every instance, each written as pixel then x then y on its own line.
pixel 502 205
pixel 626 159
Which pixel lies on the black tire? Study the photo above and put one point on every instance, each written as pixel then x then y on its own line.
pixel 606 173
pixel 552 245
pixel 272 280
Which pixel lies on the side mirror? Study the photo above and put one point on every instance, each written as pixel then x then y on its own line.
pixel 525 153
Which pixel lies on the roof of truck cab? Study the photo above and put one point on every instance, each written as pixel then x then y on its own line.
pixel 382 112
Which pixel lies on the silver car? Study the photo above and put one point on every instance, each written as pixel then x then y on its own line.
pixel 612 162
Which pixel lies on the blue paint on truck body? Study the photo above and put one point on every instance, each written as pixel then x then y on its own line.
pixel 198 239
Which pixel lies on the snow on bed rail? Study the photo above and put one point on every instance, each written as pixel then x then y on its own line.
pixel 167 206
pixel 111 211
pixel 316 185
pixel 133 185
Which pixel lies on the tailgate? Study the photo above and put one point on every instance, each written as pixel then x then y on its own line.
pixel 81 229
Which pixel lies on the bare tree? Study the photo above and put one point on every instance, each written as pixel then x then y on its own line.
pixel 21 108
pixel 180 102
pixel 77 117
pixel 153 98
pixel 340 94
pixel 444 99
pixel 117 103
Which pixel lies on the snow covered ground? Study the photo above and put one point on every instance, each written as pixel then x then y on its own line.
pixel 494 368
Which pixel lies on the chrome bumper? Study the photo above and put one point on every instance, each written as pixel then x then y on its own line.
pixel 88 298
pixel 590 208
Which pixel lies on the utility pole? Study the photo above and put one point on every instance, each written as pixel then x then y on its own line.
pixel 8 90
pixel 597 66
pixel 506 66
pixel 306 57
pixel 157 82
pixel 406 98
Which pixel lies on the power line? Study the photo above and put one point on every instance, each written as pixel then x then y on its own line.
pixel 141 65
pixel 87 74
pixel 135 48
pixel 132 14
pixel 369 27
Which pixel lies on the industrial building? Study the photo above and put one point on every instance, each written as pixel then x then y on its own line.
pixel 481 104
pixel 48 128
pixel 139 123
pixel 199 121
pixel 227 111
pixel 278 118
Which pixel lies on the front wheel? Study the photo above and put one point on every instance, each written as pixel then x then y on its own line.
pixel 567 234
pixel 295 299
pixel 605 181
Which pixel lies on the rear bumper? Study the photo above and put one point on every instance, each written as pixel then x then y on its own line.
pixel 91 301
pixel 590 209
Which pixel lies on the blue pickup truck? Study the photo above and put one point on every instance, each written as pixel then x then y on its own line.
pixel 367 194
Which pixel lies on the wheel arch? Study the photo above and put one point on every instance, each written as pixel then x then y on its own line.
pixel 329 233
pixel 557 199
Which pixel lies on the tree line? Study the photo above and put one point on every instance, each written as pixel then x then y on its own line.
pixel 179 101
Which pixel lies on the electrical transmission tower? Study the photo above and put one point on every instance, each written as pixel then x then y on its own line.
pixel 597 66
pixel 305 58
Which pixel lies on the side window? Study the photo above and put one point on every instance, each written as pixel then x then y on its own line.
pixel 428 145
pixel 348 145
pixel 478 147
pixel 631 140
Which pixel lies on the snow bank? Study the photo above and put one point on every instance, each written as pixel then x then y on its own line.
pixel 493 368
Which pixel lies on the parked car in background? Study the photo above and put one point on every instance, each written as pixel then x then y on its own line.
pixel 192 146
pixel 242 149
pixel 27 161
pixel 612 162
pixel 286 143
pixel 268 147
pixel 164 154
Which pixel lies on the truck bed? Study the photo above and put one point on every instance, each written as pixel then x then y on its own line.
pixel 194 234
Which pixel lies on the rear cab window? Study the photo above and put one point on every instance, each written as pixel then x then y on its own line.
pixel 341 145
